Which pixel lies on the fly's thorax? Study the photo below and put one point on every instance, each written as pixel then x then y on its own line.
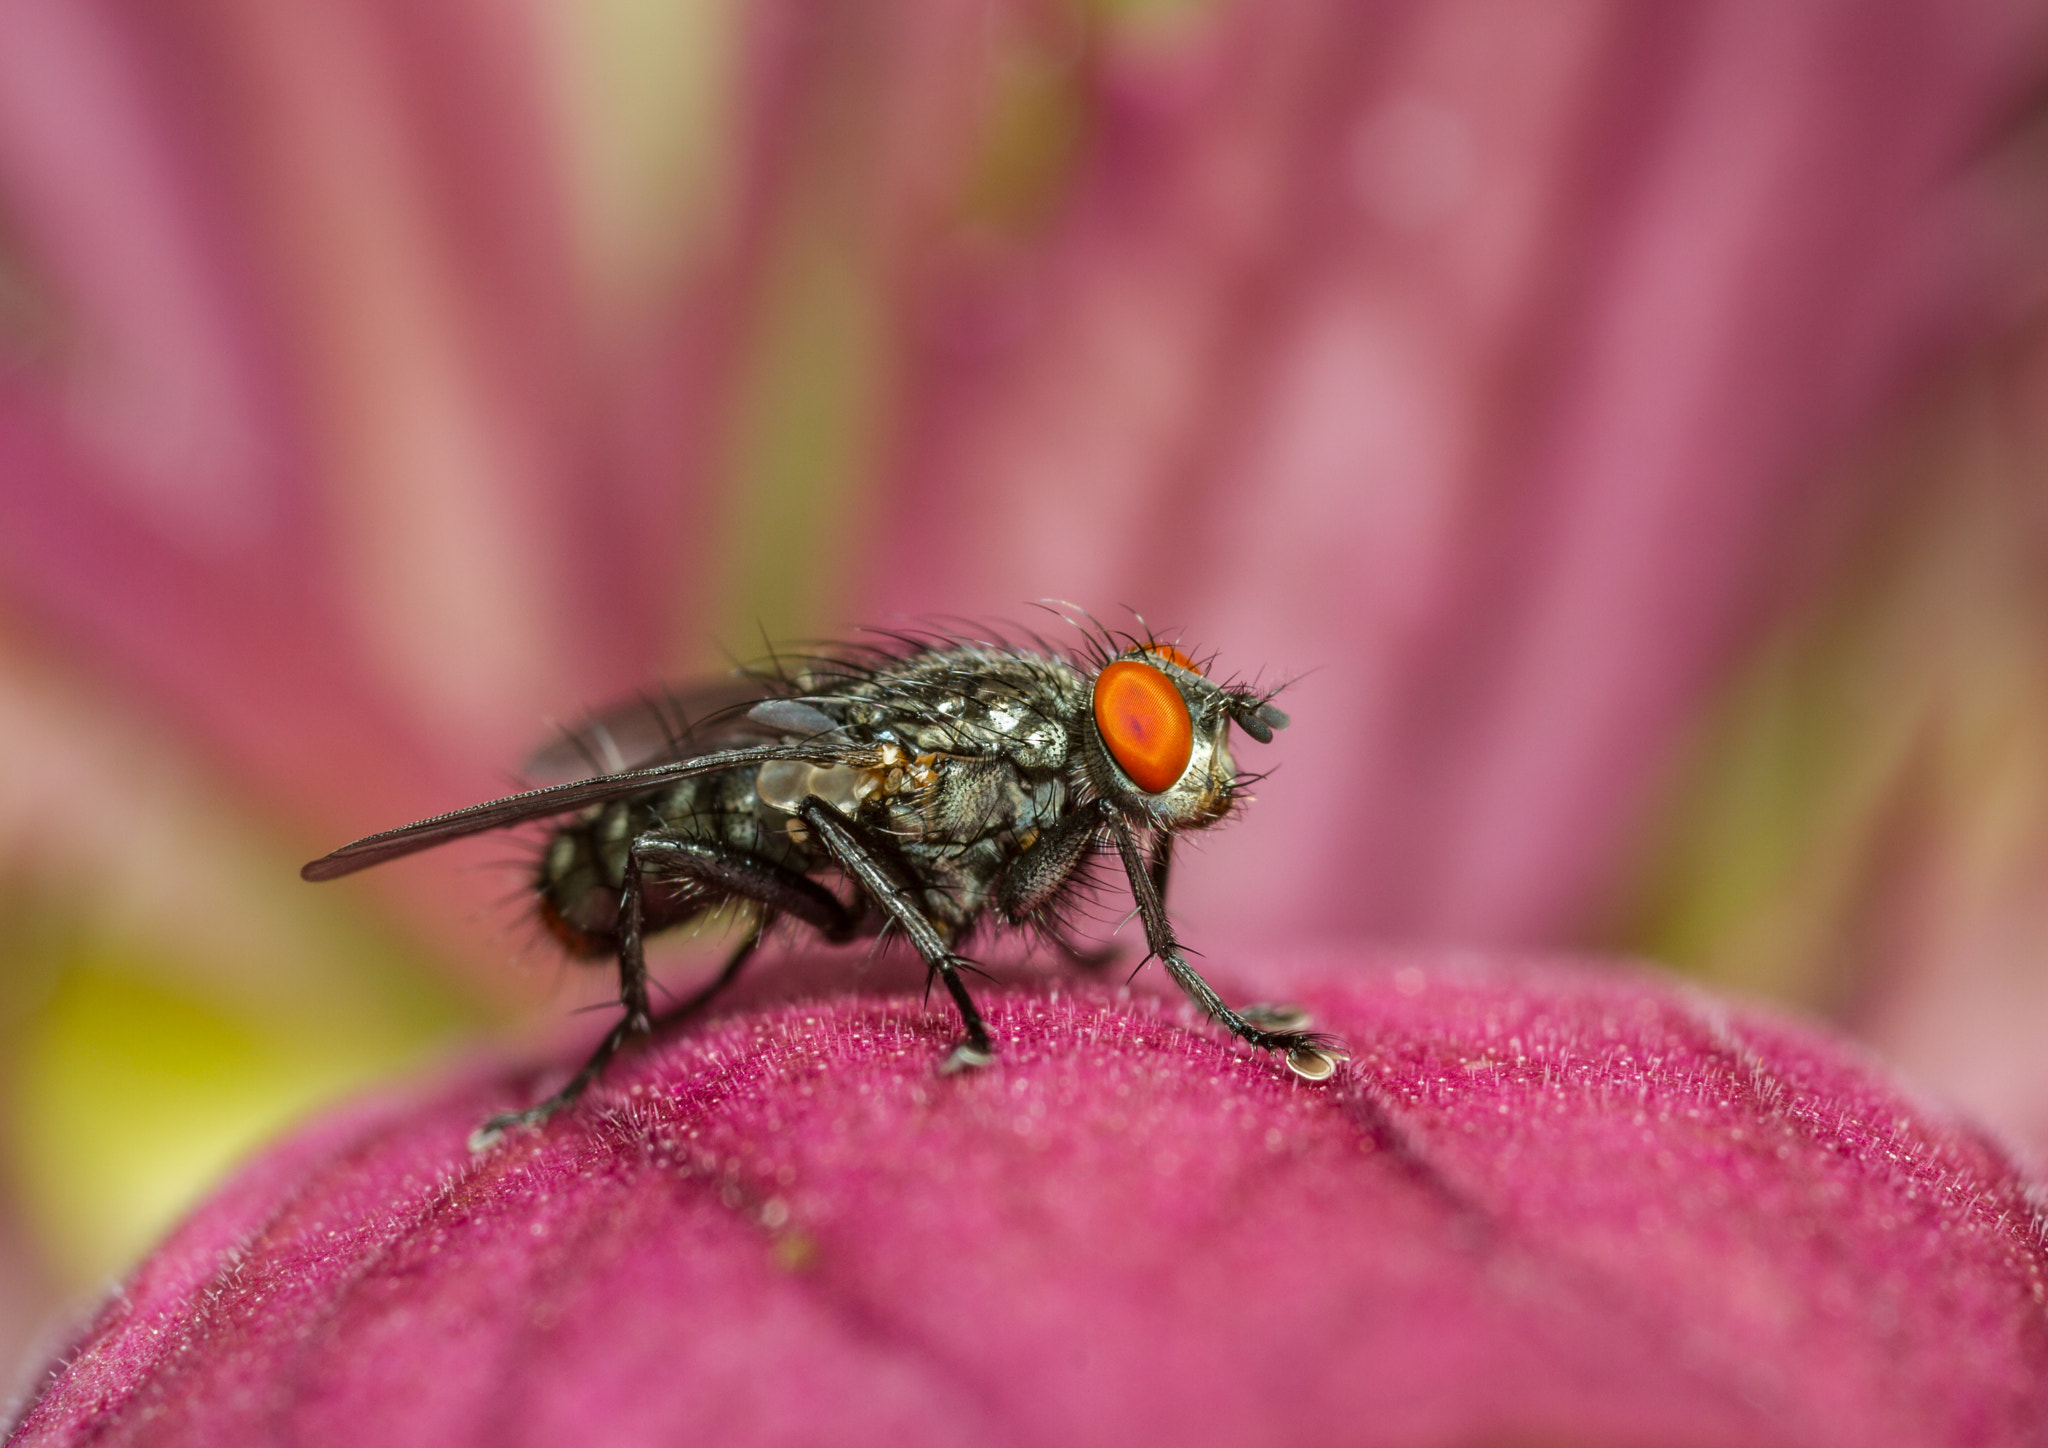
pixel 969 701
pixel 786 783
pixel 782 785
pixel 997 723
pixel 913 796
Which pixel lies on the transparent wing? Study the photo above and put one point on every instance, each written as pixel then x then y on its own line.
pixel 656 727
pixel 557 799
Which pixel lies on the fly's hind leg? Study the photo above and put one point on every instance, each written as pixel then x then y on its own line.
pixel 723 871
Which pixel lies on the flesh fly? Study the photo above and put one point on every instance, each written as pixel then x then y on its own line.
pixel 929 786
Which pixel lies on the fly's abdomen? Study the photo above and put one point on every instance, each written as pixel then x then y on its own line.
pixel 582 873
pixel 577 942
pixel 578 900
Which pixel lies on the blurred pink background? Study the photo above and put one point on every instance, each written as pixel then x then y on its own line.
pixel 1624 423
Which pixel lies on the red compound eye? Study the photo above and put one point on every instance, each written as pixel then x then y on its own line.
pixel 1144 721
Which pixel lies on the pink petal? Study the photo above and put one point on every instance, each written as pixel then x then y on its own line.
pixel 1544 1203
pixel 1491 371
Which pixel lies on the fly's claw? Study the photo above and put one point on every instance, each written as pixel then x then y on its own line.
pixel 1315 1057
pixel 1284 1028
pixel 492 1132
pixel 496 1128
pixel 966 1057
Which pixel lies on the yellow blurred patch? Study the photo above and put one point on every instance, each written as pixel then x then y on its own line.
pixel 128 1096
pixel 1030 135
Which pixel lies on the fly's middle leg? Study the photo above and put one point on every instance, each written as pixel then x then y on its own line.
pixel 868 865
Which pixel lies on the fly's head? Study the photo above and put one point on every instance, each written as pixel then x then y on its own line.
pixel 1158 737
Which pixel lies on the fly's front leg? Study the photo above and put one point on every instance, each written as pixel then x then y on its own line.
pixel 1034 880
pixel 1311 1056
pixel 1162 864
pixel 868 868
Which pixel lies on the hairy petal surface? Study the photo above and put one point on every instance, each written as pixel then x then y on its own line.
pixel 1544 1203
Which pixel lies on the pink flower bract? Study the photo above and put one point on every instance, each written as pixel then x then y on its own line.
pixel 1542 1204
